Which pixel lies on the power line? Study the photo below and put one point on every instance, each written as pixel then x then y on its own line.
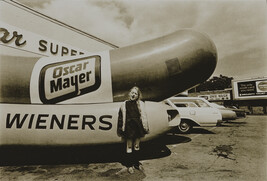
pixel 55 21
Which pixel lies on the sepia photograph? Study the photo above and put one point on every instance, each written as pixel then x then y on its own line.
pixel 156 90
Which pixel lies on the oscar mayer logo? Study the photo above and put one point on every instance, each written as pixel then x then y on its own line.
pixel 65 80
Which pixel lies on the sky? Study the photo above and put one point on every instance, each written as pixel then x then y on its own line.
pixel 237 27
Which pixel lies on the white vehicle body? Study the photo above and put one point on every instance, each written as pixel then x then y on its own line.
pixel 194 112
pixel 226 113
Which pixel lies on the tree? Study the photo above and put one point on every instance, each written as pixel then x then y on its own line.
pixel 215 83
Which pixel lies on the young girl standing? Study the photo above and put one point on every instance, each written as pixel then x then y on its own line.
pixel 132 126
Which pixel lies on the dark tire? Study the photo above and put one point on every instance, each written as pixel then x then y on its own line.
pixel 185 127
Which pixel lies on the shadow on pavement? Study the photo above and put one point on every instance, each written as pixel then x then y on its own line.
pixel 232 124
pixel 201 131
pixel 170 139
pixel 32 155
pixel 195 130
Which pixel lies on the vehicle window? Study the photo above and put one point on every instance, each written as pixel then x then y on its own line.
pixel 232 107
pixel 180 105
pixel 191 104
pixel 217 106
pixel 201 103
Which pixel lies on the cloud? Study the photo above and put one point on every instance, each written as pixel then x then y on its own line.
pixel 237 27
pixel 122 22
pixel 99 18
pixel 234 23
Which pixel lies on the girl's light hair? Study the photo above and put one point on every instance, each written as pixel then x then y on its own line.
pixel 138 91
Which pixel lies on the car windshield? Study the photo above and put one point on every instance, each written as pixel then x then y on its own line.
pixel 217 106
pixel 232 107
pixel 201 103
pixel 191 104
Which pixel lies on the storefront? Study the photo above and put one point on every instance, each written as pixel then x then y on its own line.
pixel 247 94
pixel 251 94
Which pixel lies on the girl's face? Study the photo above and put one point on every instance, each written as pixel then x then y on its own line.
pixel 133 94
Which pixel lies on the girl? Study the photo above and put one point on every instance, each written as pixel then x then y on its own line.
pixel 132 125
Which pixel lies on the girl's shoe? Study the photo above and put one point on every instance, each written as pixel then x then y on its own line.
pixel 130 170
pixel 139 166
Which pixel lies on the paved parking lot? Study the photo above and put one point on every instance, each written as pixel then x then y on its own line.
pixel 233 151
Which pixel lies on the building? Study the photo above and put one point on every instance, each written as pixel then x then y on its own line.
pixel 248 94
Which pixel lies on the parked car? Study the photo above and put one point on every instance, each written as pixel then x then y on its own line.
pixel 239 112
pixel 227 114
pixel 194 112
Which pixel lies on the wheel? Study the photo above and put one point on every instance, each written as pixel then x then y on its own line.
pixel 184 127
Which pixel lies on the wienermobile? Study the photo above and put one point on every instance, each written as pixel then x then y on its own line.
pixel 48 97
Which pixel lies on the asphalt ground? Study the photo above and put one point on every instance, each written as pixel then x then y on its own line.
pixel 236 150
